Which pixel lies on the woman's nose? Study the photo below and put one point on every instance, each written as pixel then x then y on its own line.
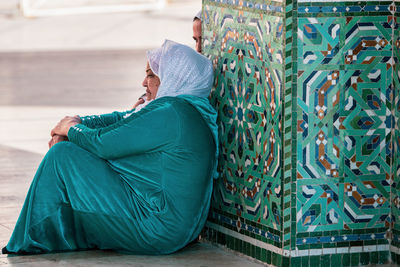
pixel 198 46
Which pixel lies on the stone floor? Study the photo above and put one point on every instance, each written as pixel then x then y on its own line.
pixel 200 254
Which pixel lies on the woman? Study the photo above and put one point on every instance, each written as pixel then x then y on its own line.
pixel 136 182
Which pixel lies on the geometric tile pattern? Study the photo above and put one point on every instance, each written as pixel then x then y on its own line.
pixel 247 56
pixel 289 123
pixel 254 5
pixel 245 226
pixel 339 7
pixel 308 101
pixel 339 238
pixel 396 134
pixel 344 121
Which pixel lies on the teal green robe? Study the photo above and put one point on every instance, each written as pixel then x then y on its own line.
pixel 132 182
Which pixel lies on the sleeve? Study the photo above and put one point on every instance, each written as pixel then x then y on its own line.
pixel 149 131
pixel 99 121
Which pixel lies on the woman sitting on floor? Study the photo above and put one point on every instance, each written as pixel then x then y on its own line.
pixel 137 181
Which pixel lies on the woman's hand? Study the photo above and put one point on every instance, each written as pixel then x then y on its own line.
pixel 139 102
pixel 63 125
pixel 56 139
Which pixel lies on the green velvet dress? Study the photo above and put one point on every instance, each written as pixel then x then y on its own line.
pixel 132 182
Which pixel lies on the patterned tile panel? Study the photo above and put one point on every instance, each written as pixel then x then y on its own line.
pixel 247 53
pixel 396 112
pixel 343 8
pixel 308 99
pixel 344 122
pixel 289 136
pixel 254 5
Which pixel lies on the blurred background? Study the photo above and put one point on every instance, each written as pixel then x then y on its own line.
pixel 77 57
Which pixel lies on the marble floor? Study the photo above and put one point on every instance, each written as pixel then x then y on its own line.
pixel 200 254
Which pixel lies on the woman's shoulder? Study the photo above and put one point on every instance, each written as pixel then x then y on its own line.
pixel 181 104
pixel 165 107
pixel 168 102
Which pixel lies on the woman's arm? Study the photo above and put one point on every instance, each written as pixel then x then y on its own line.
pixel 99 121
pixel 152 129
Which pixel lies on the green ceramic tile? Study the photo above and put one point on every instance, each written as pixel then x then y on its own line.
pixel 252 251
pixel 364 258
pixel 274 259
pixel 374 256
pixel 336 260
pixel 325 260
pixel 263 256
pixel 295 262
pixel 269 257
pixel 316 246
pixel 346 260
pixel 383 257
pixel 315 261
pixel 258 253
pixel 393 257
pixel 355 259
pixel 285 261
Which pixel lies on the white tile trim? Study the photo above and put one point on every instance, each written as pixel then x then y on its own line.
pixel 300 253
pixel 245 238
pixel 394 249
pixel 356 249
pixel 370 248
pixel 343 250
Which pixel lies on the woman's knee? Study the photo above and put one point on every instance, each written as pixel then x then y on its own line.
pixel 64 148
pixel 64 151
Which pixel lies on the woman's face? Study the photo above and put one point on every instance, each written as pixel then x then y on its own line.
pixel 151 82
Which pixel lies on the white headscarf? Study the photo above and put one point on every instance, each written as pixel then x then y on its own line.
pixel 182 71
pixel 198 15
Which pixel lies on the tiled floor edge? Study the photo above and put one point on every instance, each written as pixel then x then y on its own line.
pixel 395 254
pixel 395 249
pixel 245 238
pixel 206 241
pixel 301 253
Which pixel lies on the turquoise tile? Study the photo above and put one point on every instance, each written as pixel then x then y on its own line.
pixel 301 130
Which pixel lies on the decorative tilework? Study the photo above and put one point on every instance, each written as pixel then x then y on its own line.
pixel 248 58
pixel 270 6
pixel 340 238
pixel 289 155
pixel 243 226
pixel 307 94
pixel 341 8
pixel 395 245
pixel 344 122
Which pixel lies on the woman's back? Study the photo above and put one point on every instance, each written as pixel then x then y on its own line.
pixel 187 175
pixel 170 184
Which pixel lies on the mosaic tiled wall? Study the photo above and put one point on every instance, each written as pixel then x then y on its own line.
pixel 248 56
pixel 395 248
pixel 307 94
